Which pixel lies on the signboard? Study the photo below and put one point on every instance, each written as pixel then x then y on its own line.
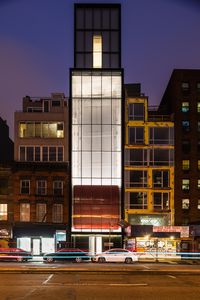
pixel 184 230
pixel 5 233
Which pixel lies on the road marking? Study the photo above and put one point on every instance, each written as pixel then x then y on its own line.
pixel 146 267
pixel 97 284
pixel 47 280
pixel 171 276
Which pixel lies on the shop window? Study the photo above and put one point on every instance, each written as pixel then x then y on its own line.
pixel 185 203
pixel 198 107
pixel 57 213
pixel 136 111
pixel 41 187
pixel 25 186
pixel 41 209
pixel 198 204
pixel 186 126
pixel 58 187
pixel 135 135
pixel 185 185
pixel 160 179
pixel 138 200
pixel 185 164
pixel 3 212
pixel 161 201
pixel 3 186
pixel 24 212
pixel 185 107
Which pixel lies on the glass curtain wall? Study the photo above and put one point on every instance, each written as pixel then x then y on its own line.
pixel 96 127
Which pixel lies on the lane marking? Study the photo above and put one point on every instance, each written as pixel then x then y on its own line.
pixel 97 284
pixel 47 280
pixel 146 267
pixel 171 276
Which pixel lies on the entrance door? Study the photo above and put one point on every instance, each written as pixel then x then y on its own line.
pixel 36 247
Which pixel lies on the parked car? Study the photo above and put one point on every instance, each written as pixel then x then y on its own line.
pixel 116 255
pixel 10 254
pixel 66 254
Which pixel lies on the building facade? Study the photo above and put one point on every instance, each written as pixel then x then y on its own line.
pixel 96 125
pixel 41 174
pixel 182 98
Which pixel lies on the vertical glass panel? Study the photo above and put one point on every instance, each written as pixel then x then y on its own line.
pixel 96 164
pixel 97 51
pixel 80 41
pixel 86 86
pixel 114 61
pixel 96 111
pixel 88 60
pixel 79 18
pixel 86 181
pixel 115 41
pixel 76 181
pixel 79 60
pixel 96 86
pixel 97 18
pixel 86 111
pixel 106 60
pixel 114 19
pixel 88 41
pixel 60 154
pixel 45 156
pixel 37 153
pixel 76 137
pixel 86 137
pixel 38 129
pixel 76 86
pixel 86 164
pixel 22 154
pixel 106 181
pixel 106 164
pixel 22 129
pixel 88 18
pixel 116 111
pixel 116 164
pixel 30 130
pixel 106 137
pixel 106 111
pixel 106 19
pixel 29 154
pixel 76 111
pixel 96 137
pixel 76 164
pixel 116 138
pixel 52 130
pixel 52 153
pixel 106 86
pixel 106 41
pixel 116 86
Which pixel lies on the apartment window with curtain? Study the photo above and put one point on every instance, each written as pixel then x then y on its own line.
pixel 185 164
pixel 185 203
pixel 185 107
pixel 24 212
pixel 3 212
pixel 41 209
pixel 57 214
pixel 97 51
pixel 185 185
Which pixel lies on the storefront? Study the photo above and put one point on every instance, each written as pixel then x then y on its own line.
pixel 5 235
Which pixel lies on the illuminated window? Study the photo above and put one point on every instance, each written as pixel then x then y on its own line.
pixel 185 184
pixel 24 212
pixel 97 51
pixel 185 203
pixel 185 164
pixel 198 107
pixel 198 183
pixel 3 212
pixel 185 107
pixel 41 212
pixel 198 164
pixel 198 204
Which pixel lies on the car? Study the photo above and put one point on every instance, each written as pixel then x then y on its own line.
pixel 116 255
pixel 16 254
pixel 67 254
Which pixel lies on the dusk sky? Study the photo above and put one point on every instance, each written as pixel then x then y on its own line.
pixel 36 46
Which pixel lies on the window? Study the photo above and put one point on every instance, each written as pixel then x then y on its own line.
pixel 198 87
pixel 41 187
pixel 186 146
pixel 41 129
pixel 41 153
pixel 160 178
pixel 58 187
pixel 57 213
pixel 138 200
pixel 135 178
pixel 198 183
pixel 41 212
pixel 185 107
pixel 161 157
pixel 3 186
pixel 24 212
pixel 25 186
pixel 136 135
pixel 161 135
pixel 3 212
pixel 136 111
pixel 185 86
pixel 198 204
pixel 185 203
pixel 136 157
pixel 198 146
pixel 186 126
pixel 97 51
pixel 55 103
pixel 198 164
pixel 185 185
pixel 161 201
pixel 185 164
pixel 198 126
pixel 198 107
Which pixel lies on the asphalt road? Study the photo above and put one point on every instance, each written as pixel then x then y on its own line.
pixel 94 282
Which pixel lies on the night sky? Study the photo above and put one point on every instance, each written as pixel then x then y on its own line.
pixel 36 46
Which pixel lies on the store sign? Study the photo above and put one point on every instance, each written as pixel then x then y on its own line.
pixel 184 230
pixel 4 233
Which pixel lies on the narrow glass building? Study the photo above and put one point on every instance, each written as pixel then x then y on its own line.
pixel 96 126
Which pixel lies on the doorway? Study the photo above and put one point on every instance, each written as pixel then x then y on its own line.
pixel 36 246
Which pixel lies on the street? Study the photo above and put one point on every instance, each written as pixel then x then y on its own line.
pixel 99 281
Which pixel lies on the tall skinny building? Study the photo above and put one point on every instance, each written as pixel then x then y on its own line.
pixel 96 124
